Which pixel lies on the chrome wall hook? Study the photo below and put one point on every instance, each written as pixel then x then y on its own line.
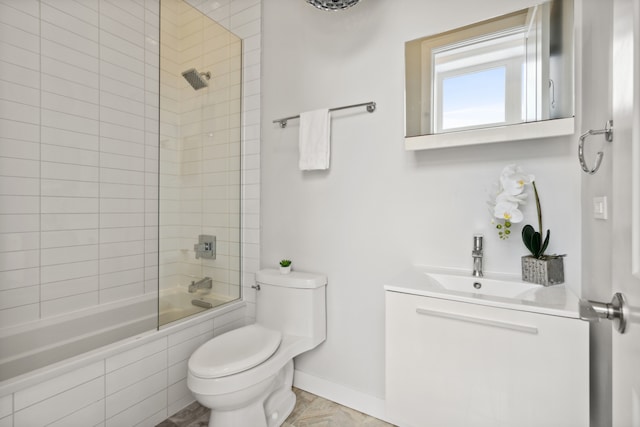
pixel 608 134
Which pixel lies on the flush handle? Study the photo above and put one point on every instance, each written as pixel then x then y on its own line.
pixel 617 311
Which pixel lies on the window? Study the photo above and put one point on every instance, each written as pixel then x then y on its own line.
pixel 480 81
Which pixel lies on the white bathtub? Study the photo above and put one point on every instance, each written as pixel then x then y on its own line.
pixel 177 303
pixel 30 347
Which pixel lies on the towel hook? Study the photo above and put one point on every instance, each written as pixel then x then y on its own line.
pixel 608 134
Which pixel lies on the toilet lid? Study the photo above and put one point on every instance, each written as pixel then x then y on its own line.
pixel 234 351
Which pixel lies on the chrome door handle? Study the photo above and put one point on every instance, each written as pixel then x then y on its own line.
pixel 616 311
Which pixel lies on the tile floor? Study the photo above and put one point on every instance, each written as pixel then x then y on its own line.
pixel 310 411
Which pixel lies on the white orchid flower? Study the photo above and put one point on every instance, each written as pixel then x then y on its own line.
pixel 508 211
pixel 513 179
pixel 519 199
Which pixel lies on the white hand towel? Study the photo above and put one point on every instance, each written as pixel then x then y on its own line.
pixel 314 144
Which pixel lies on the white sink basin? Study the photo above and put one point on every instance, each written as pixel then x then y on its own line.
pixel 481 285
pixel 496 290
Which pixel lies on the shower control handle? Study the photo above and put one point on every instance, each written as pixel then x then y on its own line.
pixel 206 247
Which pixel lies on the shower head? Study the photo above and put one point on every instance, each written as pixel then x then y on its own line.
pixel 332 4
pixel 195 79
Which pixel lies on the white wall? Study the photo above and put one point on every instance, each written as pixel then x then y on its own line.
pixel 380 209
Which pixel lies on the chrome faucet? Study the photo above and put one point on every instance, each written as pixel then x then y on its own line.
pixel 477 255
pixel 205 283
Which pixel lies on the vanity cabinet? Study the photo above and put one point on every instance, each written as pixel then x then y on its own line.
pixel 452 363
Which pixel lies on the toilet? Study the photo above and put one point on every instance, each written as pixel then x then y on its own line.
pixel 245 376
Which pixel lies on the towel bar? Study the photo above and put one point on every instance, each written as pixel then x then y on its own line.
pixel 371 107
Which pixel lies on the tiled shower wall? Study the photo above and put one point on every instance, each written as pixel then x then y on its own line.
pixel 78 154
pixel 144 382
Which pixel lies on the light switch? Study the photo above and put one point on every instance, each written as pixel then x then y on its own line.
pixel 600 207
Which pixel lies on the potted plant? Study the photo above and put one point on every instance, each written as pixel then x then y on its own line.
pixel 536 268
pixel 285 266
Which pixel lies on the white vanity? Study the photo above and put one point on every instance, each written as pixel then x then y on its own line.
pixel 465 351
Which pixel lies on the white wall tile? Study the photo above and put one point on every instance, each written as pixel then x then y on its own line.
pixel 68 254
pixel 80 10
pixel 68 304
pixel 51 222
pixel 69 288
pixel 17 315
pixel 60 205
pixel 18 37
pixel 66 138
pixel 58 239
pixel 60 120
pixel 134 394
pixel 140 412
pixel 123 292
pixel 19 297
pixel 57 273
pixel 19 241
pixel 182 351
pixel 60 154
pixel 120 278
pixel 71 24
pixel 70 57
pixel 62 85
pixel 18 260
pixel 136 371
pixel 16 278
pixel 90 415
pixel 128 357
pixel 70 105
pixel 62 404
pixel 50 388
pixel 19 149
pixel 60 69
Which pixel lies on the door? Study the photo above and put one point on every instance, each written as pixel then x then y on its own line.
pixel 626 209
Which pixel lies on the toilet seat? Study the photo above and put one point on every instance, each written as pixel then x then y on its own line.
pixel 234 351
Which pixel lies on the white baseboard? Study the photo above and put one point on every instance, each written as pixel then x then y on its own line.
pixel 345 396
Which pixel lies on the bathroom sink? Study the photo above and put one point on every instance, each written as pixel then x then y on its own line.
pixel 481 285
pixel 495 289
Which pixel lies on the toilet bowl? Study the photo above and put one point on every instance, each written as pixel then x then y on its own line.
pixel 245 376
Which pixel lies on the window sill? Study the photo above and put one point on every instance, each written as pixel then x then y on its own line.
pixel 520 131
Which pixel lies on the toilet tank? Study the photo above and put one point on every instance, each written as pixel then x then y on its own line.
pixel 293 303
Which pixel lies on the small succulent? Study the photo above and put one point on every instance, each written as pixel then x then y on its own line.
pixel 285 263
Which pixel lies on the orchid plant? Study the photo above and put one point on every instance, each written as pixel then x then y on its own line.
pixel 510 195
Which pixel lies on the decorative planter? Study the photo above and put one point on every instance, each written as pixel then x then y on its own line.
pixel 285 270
pixel 545 271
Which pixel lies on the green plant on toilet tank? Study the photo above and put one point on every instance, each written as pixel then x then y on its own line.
pixel 285 266
pixel 510 194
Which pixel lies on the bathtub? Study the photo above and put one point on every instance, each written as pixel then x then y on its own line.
pixel 29 347
pixel 177 303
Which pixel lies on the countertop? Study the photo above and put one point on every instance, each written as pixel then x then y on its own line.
pixel 556 300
